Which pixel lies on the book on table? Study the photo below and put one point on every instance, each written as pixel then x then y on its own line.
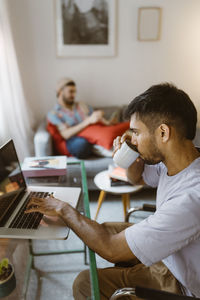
pixel 117 182
pixel 118 177
pixel 44 166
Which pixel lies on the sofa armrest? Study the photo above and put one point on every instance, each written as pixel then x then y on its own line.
pixel 43 141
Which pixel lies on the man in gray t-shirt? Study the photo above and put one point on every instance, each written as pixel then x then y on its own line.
pixel 162 251
pixel 172 234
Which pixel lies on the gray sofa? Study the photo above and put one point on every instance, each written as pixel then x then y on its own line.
pixel 43 146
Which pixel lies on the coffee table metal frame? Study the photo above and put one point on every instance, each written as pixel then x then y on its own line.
pixel 92 259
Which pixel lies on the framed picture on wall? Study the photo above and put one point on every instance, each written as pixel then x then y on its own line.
pixel 85 28
pixel 149 23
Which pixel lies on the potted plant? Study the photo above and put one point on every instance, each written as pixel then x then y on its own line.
pixel 7 278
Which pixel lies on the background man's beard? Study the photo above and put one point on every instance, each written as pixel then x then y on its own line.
pixel 68 101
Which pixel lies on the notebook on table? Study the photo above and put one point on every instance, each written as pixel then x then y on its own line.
pixel 15 196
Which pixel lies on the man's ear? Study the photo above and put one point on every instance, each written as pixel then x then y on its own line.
pixel 164 132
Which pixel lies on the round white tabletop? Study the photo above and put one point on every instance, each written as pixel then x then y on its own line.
pixel 102 181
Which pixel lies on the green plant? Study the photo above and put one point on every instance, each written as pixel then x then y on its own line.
pixel 7 278
pixel 5 269
pixel 4 265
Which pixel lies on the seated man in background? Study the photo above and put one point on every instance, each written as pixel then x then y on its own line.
pixel 71 117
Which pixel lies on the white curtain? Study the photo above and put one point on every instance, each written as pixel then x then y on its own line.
pixel 14 116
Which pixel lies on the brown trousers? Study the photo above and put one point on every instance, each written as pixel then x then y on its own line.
pixel 156 276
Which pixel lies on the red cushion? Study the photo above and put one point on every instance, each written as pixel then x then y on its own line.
pixel 103 135
pixel 95 134
pixel 58 141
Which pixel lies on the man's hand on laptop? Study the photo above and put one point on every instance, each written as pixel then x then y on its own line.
pixel 112 247
pixel 49 206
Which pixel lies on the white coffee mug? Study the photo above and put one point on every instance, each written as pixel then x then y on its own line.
pixel 126 155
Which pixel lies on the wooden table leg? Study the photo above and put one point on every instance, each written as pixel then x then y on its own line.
pixel 126 203
pixel 100 201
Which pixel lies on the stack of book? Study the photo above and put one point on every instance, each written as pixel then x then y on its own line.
pixel 118 177
pixel 44 166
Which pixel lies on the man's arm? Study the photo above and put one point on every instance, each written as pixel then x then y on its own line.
pixel 112 247
pixel 68 132
pixel 135 171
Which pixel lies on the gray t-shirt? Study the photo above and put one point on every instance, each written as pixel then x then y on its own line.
pixel 172 234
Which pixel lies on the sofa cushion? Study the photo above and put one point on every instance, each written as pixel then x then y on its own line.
pixel 95 134
pixel 103 135
pixel 58 141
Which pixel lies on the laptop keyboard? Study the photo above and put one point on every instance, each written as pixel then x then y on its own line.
pixel 30 220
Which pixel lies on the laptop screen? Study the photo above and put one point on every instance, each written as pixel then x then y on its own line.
pixel 11 178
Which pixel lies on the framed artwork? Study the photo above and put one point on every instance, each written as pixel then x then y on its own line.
pixel 85 28
pixel 149 23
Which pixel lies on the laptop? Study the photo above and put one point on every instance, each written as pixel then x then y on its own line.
pixel 15 196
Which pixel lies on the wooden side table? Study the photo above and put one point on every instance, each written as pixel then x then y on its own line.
pixel 102 181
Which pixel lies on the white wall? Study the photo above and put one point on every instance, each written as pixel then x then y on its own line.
pixel 104 81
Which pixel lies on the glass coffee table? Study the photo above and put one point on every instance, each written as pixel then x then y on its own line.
pixel 75 177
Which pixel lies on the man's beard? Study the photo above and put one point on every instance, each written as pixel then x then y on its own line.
pixel 154 156
pixel 68 101
pixel 151 161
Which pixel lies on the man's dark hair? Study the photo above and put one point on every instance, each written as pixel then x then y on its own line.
pixel 165 103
